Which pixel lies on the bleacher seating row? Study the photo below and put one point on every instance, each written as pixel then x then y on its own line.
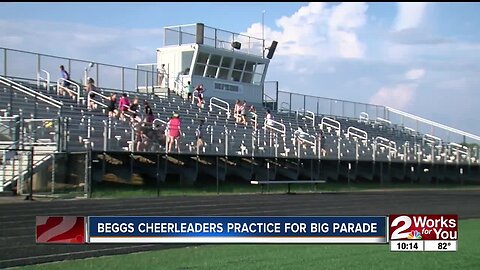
pixel 93 128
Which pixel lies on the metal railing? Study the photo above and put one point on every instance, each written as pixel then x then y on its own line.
pixel 27 91
pixel 217 38
pixel 89 99
pixel 45 80
pixel 225 108
pixel 331 123
pixel 364 117
pixel 310 117
pixel 407 116
pixel 380 120
pixel 272 126
pixel 357 133
pixel 76 95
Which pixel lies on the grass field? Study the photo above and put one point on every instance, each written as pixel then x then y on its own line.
pixel 290 257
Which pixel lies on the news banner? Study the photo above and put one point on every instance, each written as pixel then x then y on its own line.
pixel 403 232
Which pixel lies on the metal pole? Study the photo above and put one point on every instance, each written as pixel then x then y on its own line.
pixel 263 34
pixel 96 75
pixel 53 173
pixel 30 196
pixel 123 79
pixel 88 178
pixel 38 68
pixel 5 62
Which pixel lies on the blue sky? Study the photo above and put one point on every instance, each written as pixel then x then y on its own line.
pixel 423 58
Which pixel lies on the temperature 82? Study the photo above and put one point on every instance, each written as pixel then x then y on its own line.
pixel 443 245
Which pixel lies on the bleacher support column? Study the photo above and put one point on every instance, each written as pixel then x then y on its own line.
pixel 58 133
pixel 109 131
pixel 10 103
pixel 53 173
pixel 30 170
pixel 105 132
pixel 88 172
pixel 226 142
pixel 348 173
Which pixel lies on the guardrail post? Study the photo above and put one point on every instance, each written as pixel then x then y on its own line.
pixel 58 132
pixel 5 62
pixel 10 103
pixel 53 173
pixel 123 79
pixel 30 196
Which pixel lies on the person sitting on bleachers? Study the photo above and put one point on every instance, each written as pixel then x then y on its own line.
pixel 300 135
pixel 124 105
pixel 149 117
pixel 90 95
pixel 143 142
pixel 134 112
pixel 112 106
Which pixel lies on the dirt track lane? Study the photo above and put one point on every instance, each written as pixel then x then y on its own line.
pixel 17 220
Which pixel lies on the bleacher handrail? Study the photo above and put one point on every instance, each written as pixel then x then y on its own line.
pixel 364 117
pixel 459 148
pixel 432 123
pixel 95 101
pixel 409 129
pixel 361 134
pixel 312 117
pixel 53 102
pixel 77 93
pixel 334 124
pixel 272 126
pixel 431 139
pixel 391 145
pixel 307 135
pixel 379 119
pixel 227 108
pixel 47 79
pixel 158 120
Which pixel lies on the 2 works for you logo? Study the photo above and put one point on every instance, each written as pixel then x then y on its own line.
pixel 60 230
pixel 423 227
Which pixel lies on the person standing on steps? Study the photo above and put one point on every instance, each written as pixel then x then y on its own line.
pixel 174 132
pixel 161 75
pixel 66 76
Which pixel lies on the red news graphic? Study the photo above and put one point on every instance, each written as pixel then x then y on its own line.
pixel 423 227
pixel 60 230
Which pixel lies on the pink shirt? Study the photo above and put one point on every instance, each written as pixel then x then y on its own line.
pixel 123 101
pixel 174 127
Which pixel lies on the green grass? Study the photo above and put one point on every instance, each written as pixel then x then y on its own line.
pixel 124 191
pixel 290 257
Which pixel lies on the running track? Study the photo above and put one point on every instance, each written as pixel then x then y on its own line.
pixel 17 220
